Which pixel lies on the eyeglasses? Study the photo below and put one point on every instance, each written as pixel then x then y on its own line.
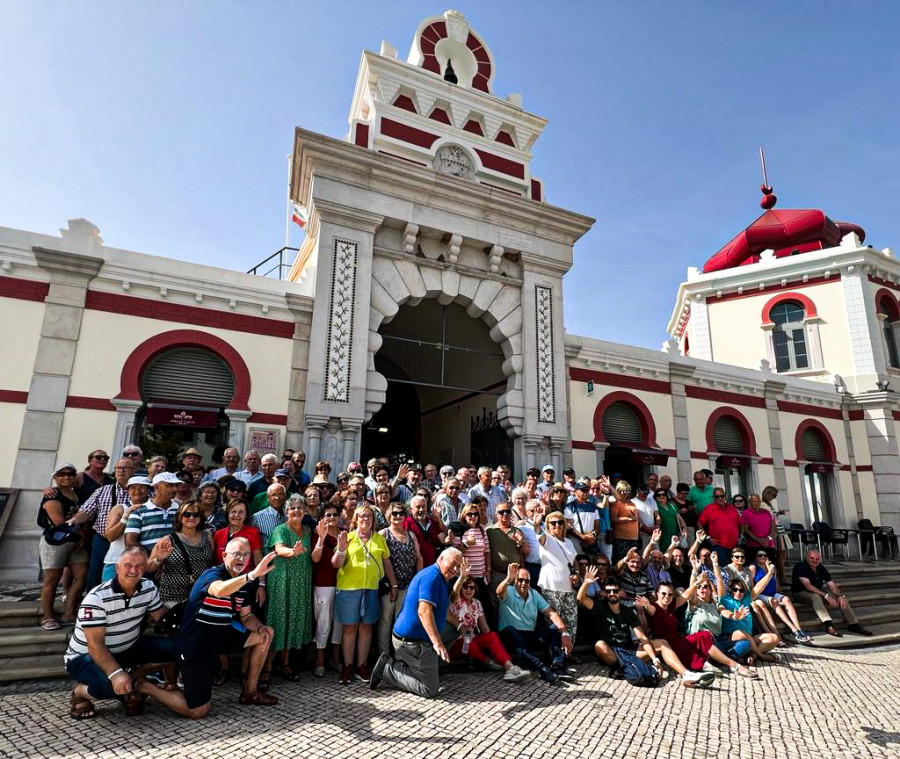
pixel 239 554
pixel 556 522
pixel 330 515
pixel 611 591
pixel 452 487
pixel 523 581
pixel 504 512
pixel 736 501
pixel 190 515
pixel 65 474
pixel 762 556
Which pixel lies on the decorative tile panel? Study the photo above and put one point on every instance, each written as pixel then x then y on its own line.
pixel 546 375
pixel 340 322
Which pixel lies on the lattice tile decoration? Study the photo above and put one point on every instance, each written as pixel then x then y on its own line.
pixel 340 327
pixel 546 376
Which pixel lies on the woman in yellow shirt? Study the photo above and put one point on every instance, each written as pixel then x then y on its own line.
pixel 362 558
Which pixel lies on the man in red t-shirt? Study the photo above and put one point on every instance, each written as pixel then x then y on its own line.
pixel 722 523
pixel 427 528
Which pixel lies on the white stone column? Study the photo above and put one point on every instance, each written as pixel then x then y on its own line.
pixel 753 476
pixel 600 455
pixel 349 445
pixel 315 429
pixel 126 411
pixel 237 428
pixel 862 322
pixel 701 340
pixel 679 374
pixel 772 390
pixel 884 450
pixel 301 308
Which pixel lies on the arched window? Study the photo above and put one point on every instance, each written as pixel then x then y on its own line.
pixel 789 336
pixel 812 446
pixel 187 374
pixel 621 424
pixel 889 314
pixel 727 436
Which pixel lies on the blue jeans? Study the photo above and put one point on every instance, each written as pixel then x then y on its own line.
pixel 99 547
pixel 146 650
pixel 530 645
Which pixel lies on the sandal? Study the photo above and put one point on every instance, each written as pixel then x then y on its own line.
pixel 222 677
pixel 50 624
pixel 285 671
pixel 257 698
pixel 262 685
pixel 743 671
pixel 80 707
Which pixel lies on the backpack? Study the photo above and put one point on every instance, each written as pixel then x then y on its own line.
pixel 636 671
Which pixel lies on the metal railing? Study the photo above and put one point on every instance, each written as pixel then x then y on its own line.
pixel 279 264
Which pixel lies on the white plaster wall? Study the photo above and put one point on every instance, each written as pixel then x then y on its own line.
pixel 584 462
pixel 860 443
pixel 868 496
pixel 22 321
pixel 84 430
pixel 108 339
pixel 738 338
pixel 11 416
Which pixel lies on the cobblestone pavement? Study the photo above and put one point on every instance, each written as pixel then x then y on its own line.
pixel 822 703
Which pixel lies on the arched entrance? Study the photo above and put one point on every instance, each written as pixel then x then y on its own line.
pixel 624 423
pixel 444 374
pixel 815 447
pixel 731 446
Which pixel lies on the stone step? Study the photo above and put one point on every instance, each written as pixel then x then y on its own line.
pixel 868 616
pixel 32 641
pixel 24 613
pixel 31 667
pixel 883 633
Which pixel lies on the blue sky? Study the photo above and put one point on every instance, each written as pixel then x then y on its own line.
pixel 168 124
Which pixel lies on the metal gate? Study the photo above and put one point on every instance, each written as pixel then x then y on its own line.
pixel 490 444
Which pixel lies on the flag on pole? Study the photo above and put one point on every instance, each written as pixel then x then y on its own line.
pixel 298 215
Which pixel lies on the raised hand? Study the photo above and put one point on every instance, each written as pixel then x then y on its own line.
pixel 321 528
pixel 298 548
pixel 403 471
pixel 463 569
pixel 701 536
pixel 643 602
pixel 512 572
pixel 162 549
pixel 695 563
pixel 632 552
pixel 675 541
pixel 590 574
pixel 657 534
pixel 715 558
pixel 342 541
pixel 264 567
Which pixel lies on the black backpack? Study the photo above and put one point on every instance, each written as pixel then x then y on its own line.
pixel 636 671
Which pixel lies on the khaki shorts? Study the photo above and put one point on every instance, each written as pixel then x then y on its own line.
pixel 60 557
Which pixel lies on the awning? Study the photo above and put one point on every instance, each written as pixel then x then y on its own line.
pixel 732 461
pixel 649 456
pixel 191 416
pixel 819 467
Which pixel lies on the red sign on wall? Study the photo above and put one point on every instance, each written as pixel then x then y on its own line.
pixel 187 417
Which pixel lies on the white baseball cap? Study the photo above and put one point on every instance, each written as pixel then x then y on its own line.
pixel 166 477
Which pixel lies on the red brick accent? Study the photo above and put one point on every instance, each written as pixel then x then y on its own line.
pixel 405 102
pixel 856 415
pixel 864 468
pixel 619 380
pixel 439 114
pixel 474 127
pixel 177 312
pixel 745 428
pixel 721 396
pixel 23 289
pixel 503 165
pixel 13 396
pixel 140 357
pixel 648 427
pixel 95 404
pixel 398 131
pixel 790 407
pixel 582 445
pixel 260 418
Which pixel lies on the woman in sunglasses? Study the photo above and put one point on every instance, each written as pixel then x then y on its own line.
pixel 406 560
pixel 771 598
pixel 184 554
pixel 93 476
pixel 324 545
pixel 474 638
pixel 382 500
pixel 475 548
pixel 735 606
pixel 559 579
pixel 671 525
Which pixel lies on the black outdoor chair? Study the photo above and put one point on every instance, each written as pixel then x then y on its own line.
pixel 833 536
pixel 888 540
pixel 866 532
pixel 803 537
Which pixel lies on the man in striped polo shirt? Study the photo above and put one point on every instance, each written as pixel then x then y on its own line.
pixel 107 638
pixel 154 519
pixel 218 620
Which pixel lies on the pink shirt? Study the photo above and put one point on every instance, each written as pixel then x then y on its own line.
pixel 475 554
pixel 759 523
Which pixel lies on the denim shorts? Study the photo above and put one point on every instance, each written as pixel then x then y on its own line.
pixel 731 647
pixel 352 607
pixel 146 650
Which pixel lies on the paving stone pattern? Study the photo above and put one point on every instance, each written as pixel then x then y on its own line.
pixel 822 703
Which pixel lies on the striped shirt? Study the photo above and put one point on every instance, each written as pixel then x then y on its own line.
pixel 208 619
pixel 108 607
pixel 266 521
pixel 150 523
pixel 101 502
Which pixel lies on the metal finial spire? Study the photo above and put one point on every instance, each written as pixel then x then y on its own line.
pixel 768 200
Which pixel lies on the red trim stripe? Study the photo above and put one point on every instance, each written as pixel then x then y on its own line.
pixel 95 404
pixel 790 407
pixel 176 312
pixel 619 380
pixel 721 396
pixel 884 282
pixel 503 165
pixel 772 288
pixel 13 396
pixel 23 289
pixel 261 418
pixel 582 445
pixel 406 133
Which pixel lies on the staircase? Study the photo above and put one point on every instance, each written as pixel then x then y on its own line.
pixel 27 652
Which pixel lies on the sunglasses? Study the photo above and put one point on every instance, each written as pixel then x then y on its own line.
pixel 738 500
pixel 131 453
pixel 398 513
pixel 101 458
pixel 737 556
pixel 471 514
pixel 737 590
pixel 65 474
pixel 452 488
pixel 762 556
pixel 719 497
pixel 556 522
pixel 503 512
pixel 190 515
pixel 330 515
pixel 468 587
pixel 525 581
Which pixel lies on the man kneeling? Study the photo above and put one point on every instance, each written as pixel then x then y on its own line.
pixel 518 627
pixel 218 620
pixel 107 638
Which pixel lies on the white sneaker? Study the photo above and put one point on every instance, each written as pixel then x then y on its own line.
pixel 712 668
pixel 697 679
pixel 515 674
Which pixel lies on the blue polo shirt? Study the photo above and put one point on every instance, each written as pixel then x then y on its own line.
pixel 430 586
pixel 730 625
pixel 521 613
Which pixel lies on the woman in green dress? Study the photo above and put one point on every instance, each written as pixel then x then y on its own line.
pixel 289 588
pixel 670 522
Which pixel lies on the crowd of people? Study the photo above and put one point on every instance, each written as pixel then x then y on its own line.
pixel 283 571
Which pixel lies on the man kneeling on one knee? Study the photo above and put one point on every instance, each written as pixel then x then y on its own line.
pixel 218 620
pixel 519 631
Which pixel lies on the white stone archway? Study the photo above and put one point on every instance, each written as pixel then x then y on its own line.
pixel 399 281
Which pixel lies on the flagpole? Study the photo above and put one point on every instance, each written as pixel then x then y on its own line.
pixel 287 218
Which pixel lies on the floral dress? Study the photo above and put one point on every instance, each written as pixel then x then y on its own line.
pixel 289 590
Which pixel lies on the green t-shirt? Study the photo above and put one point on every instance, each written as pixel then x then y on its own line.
pixel 615 629
pixel 701 498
